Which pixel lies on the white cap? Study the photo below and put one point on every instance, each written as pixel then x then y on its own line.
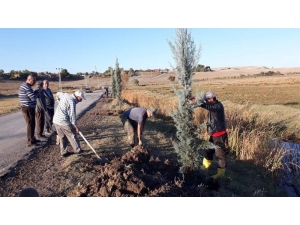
pixel 208 95
pixel 80 94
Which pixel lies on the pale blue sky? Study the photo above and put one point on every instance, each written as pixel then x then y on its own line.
pixel 80 50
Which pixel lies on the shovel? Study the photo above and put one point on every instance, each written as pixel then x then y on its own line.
pixel 89 145
pixel 100 160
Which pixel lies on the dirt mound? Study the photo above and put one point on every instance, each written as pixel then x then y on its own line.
pixel 134 174
pixel 109 112
pixel 107 100
pixel 138 155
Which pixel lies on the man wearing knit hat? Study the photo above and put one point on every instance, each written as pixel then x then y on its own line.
pixel 134 121
pixel 216 128
pixel 65 121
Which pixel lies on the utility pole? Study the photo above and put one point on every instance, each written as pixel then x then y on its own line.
pixel 59 82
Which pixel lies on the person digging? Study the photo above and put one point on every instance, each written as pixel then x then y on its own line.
pixel 65 121
pixel 134 121
pixel 216 128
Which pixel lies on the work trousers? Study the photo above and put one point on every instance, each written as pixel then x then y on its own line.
pixel 65 134
pixel 221 152
pixel 29 116
pixel 40 123
pixel 49 121
pixel 131 127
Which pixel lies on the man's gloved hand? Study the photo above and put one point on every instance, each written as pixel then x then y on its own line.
pixel 200 102
pixel 196 102
pixel 193 99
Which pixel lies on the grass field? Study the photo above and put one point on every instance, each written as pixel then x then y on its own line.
pixel 9 104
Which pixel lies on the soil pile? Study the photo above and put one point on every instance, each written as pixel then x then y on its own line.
pixel 134 174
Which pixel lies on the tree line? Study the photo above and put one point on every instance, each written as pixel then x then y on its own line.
pixel 21 74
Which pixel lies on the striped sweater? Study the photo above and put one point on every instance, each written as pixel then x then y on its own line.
pixel 65 113
pixel 26 96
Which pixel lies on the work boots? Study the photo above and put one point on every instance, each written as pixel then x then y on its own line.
pixel 220 173
pixel 206 164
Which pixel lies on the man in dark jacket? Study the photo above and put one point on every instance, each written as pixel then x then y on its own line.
pixel 134 121
pixel 40 110
pixel 28 103
pixel 50 106
pixel 216 128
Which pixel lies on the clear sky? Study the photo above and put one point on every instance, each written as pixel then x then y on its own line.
pixel 80 50
pixel 41 40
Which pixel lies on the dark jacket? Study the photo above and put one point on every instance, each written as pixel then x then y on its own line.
pixel 40 101
pixel 49 98
pixel 216 117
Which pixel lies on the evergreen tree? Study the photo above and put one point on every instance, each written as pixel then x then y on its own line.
pixel 113 83
pixel 187 143
pixel 118 82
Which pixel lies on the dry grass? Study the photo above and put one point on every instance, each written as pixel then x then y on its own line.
pixel 276 104
pixel 9 104
pixel 263 94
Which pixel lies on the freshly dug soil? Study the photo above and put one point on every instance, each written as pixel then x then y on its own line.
pixel 136 173
pixel 151 170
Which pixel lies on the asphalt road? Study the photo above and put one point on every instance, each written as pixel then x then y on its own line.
pixel 13 134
